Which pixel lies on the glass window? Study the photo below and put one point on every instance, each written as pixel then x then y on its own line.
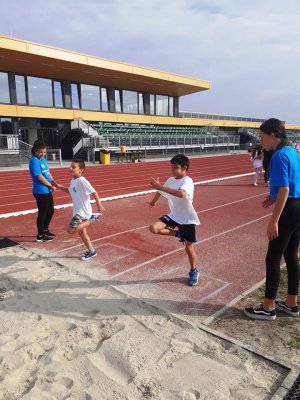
pixel 40 91
pixel 141 104
pixel 20 89
pixel 130 102
pixel 118 101
pixel 171 106
pixel 75 95
pixel 90 97
pixel 152 104
pixel 162 106
pixel 104 102
pixel 58 97
pixel 6 126
pixel 4 88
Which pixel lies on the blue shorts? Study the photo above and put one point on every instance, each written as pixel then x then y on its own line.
pixel 188 232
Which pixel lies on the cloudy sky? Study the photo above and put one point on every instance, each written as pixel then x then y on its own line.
pixel 248 49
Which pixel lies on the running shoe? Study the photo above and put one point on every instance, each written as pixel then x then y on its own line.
pixel 259 312
pixel 193 277
pixel 281 305
pixel 49 234
pixel 88 255
pixel 95 217
pixel 44 238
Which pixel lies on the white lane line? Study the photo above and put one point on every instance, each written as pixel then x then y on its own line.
pixel 122 196
pixel 146 226
pixel 196 244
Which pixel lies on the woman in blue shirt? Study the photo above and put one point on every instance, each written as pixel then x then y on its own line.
pixel 283 229
pixel 42 187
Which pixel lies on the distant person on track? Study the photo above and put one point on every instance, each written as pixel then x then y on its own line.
pixel 80 190
pixel 42 187
pixel 182 220
pixel 257 159
pixel 266 165
pixel 283 229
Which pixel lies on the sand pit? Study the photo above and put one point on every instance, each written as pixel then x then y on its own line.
pixel 64 336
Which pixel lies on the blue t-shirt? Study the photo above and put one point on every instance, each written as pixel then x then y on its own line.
pixel 285 172
pixel 39 167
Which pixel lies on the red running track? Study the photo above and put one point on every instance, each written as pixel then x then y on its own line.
pixel 231 248
pixel 114 180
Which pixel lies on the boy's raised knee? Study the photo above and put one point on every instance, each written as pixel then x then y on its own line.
pixel 153 229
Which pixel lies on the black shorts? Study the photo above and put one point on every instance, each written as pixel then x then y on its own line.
pixel 188 232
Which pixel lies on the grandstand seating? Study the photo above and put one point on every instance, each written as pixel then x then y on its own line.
pixel 143 135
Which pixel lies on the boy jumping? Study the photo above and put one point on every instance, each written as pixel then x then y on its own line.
pixel 80 190
pixel 181 222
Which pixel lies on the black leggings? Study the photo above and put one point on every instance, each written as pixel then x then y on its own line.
pixel 287 245
pixel 45 206
pixel 266 166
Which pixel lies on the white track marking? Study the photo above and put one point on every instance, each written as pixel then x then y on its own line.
pixel 196 244
pixel 122 196
pixel 146 226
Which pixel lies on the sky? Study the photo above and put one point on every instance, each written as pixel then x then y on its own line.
pixel 248 49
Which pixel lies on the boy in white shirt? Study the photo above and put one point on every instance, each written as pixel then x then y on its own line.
pixel 182 220
pixel 80 190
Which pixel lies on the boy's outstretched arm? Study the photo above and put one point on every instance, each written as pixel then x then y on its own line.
pixel 61 187
pixel 154 200
pixel 158 186
pixel 100 207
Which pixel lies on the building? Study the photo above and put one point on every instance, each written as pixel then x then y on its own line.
pixel 43 89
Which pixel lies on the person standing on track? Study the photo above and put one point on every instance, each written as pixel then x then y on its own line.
pixel 283 229
pixel 42 187
pixel 266 165
pixel 80 190
pixel 257 159
pixel 182 220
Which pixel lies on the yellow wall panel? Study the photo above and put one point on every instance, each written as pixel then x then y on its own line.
pixel 56 54
pixel 12 44
pixel 55 113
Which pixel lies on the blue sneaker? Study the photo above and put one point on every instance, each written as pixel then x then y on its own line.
pixel 95 217
pixel 193 277
pixel 88 255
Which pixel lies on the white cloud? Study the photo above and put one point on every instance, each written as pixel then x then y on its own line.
pixel 247 49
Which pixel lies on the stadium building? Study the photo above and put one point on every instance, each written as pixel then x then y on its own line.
pixel 78 103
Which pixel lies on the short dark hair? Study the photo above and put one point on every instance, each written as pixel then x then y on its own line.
pixel 181 160
pixel 36 146
pixel 80 162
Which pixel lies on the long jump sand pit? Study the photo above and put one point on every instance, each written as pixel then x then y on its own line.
pixel 63 335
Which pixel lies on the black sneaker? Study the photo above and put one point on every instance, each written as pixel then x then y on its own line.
pixel 293 311
pixel 44 238
pixel 49 234
pixel 258 312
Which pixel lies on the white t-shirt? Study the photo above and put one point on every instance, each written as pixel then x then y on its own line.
pixel 80 190
pixel 182 210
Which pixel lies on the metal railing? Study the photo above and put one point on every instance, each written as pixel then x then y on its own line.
pixel 15 152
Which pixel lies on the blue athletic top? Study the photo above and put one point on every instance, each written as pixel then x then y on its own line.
pixel 39 167
pixel 285 172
